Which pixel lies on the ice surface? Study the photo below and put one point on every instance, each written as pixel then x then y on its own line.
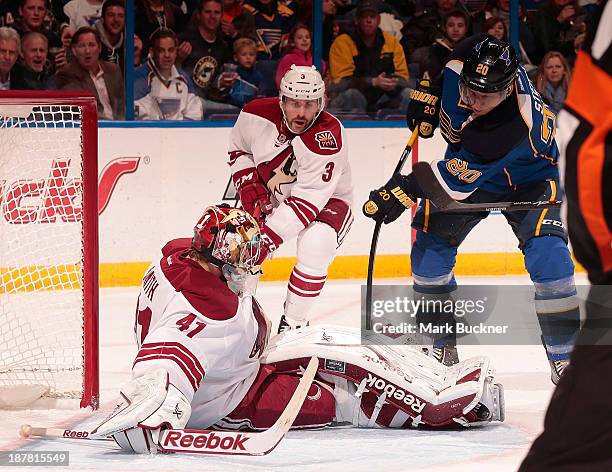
pixel 523 370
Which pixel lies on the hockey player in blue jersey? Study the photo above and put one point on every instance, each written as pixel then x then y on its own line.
pixel 501 147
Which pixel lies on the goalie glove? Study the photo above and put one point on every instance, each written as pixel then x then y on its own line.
pixel 424 109
pixel 389 202
pixel 254 195
pixel 150 403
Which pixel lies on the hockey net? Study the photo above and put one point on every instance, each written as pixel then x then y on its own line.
pixel 48 248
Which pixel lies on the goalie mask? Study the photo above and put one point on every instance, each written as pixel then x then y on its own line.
pixel 228 236
pixel 302 83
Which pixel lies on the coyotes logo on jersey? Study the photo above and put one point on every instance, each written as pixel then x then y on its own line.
pixel 326 140
pixel 284 174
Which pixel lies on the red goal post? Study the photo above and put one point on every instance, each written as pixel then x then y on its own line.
pixel 48 247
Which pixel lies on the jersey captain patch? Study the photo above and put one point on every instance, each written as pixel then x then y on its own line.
pixel 326 140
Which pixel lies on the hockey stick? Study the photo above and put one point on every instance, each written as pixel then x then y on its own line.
pixel 428 181
pixel 206 441
pixel 27 431
pixel 377 226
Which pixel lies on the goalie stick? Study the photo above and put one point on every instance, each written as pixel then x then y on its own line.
pixel 442 200
pixel 206 441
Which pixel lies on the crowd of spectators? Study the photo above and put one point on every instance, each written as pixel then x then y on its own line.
pixel 202 59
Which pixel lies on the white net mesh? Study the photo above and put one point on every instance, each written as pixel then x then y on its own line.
pixel 41 250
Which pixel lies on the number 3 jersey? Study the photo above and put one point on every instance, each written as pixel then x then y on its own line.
pixel 512 145
pixel 207 338
pixel 302 172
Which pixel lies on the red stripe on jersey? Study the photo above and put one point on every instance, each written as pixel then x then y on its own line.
pixel 299 293
pixel 179 354
pixel 234 155
pixel 302 284
pixel 312 278
pixel 298 212
pixel 307 207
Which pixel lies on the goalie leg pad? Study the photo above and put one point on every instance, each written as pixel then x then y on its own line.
pixel 150 402
pixel 268 396
pixel 391 386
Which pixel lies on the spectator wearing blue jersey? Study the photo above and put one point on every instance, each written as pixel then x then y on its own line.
pixel 162 91
pixel 501 147
pixel 247 84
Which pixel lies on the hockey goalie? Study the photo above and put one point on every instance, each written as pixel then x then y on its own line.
pixel 204 359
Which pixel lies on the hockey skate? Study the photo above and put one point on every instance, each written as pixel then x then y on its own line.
pixel 556 370
pixel 491 406
pixel 444 351
pixel 284 325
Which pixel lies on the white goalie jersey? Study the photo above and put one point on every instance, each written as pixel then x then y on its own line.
pixel 302 172
pixel 208 339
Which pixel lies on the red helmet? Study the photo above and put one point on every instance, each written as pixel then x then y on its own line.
pixel 226 235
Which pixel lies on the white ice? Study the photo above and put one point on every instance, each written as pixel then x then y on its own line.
pixel 523 370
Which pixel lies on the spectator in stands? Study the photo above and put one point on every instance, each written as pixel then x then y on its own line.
pixel 83 12
pixel 556 26
pixel 553 80
pixel 426 25
pixel 110 27
pixel 152 15
pixel 495 27
pixel 432 59
pixel 88 72
pixel 527 42
pixel 32 16
pixel 10 48
pixel 237 22
pixel 368 67
pixel 202 53
pixel 63 55
pixel 273 22
pixel 137 50
pixel 331 27
pixel 31 73
pixel 300 52
pixel 163 91
pixel 248 82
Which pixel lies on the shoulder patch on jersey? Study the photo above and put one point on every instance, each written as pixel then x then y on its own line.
pixel 325 137
pixel 326 140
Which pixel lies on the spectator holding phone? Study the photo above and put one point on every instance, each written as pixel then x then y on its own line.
pixel 368 67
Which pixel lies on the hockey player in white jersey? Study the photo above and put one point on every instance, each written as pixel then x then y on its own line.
pixel 289 163
pixel 202 360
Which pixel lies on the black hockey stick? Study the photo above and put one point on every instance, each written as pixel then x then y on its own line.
pixel 428 181
pixel 377 227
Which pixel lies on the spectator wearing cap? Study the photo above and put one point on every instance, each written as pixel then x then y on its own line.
pixel 368 66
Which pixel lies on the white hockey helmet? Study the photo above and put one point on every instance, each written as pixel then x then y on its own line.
pixel 302 83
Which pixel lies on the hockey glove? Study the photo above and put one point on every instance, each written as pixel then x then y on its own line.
pixel 424 109
pixel 269 242
pixel 150 403
pixel 387 203
pixel 254 195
